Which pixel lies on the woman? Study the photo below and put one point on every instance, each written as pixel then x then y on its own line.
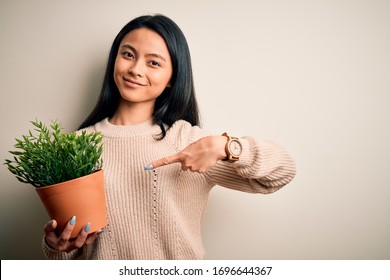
pixel 159 165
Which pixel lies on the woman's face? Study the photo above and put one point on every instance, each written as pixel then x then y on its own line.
pixel 143 67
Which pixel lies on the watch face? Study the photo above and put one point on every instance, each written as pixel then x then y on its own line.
pixel 235 148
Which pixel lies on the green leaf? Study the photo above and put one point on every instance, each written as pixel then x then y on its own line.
pixel 49 156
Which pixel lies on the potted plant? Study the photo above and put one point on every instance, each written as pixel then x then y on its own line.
pixel 66 171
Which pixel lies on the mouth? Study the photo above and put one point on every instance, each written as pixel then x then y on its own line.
pixel 132 83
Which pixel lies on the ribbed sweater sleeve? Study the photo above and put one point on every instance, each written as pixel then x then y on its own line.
pixel 264 167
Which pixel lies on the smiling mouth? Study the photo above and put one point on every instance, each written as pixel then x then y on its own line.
pixel 132 83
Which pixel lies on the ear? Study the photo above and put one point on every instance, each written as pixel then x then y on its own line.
pixel 169 84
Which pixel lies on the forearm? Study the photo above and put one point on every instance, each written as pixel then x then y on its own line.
pixel 263 167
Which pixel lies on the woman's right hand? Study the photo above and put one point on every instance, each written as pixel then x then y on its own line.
pixel 63 242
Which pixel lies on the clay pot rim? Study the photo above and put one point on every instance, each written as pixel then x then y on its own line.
pixel 72 180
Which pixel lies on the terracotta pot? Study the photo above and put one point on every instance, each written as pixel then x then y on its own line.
pixel 81 197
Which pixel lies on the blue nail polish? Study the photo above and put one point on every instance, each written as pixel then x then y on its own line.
pixel 149 167
pixel 73 220
pixel 100 232
pixel 87 227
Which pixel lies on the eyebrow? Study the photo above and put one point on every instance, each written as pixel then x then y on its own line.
pixel 150 54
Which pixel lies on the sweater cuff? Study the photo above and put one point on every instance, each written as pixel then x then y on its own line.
pixel 247 157
pixel 265 161
pixel 53 254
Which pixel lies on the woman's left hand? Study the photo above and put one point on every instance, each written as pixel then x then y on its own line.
pixel 199 156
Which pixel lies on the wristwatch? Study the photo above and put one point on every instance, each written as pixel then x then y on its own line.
pixel 233 148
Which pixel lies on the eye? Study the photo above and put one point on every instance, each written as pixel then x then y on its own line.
pixel 154 63
pixel 127 54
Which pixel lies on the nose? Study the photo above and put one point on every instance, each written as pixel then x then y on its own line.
pixel 136 69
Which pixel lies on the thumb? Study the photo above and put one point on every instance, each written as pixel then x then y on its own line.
pixel 163 161
pixel 50 227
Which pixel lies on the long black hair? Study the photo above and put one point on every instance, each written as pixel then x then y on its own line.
pixel 176 102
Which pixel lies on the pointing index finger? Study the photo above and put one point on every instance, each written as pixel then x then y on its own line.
pixel 163 161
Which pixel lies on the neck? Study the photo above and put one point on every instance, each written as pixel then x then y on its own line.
pixel 131 113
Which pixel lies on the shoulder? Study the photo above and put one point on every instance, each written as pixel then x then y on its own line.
pixel 182 133
pixel 92 128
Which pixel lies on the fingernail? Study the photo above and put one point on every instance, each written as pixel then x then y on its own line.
pixel 87 227
pixel 73 220
pixel 51 222
pixel 149 167
pixel 100 232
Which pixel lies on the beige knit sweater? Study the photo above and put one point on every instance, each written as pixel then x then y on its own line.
pixel 157 214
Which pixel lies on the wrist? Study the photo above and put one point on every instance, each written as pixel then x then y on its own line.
pixel 233 148
pixel 220 144
pixel 47 244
